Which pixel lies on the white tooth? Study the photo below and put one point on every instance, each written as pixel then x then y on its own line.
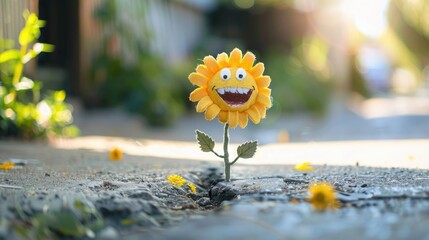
pixel 227 90
pixel 245 90
pixel 221 90
pixel 240 90
pixel 234 90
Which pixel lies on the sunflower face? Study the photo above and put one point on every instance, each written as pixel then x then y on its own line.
pixel 231 88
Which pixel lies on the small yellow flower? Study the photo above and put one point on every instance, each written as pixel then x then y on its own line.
pixel 192 187
pixel 322 196
pixel 115 154
pixel 305 166
pixel 6 165
pixel 176 180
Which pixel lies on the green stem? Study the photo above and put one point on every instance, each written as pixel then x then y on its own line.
pixel 235 160
pixel 217 154
pixel 19 67
pixel 226 154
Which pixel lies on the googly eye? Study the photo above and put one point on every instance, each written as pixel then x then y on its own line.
pixel 225 74
pixel 240 74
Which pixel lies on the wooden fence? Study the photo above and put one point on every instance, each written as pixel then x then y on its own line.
pixel 11 18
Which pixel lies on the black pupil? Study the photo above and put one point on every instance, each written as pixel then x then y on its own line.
pixel 225 76
pixel 240 75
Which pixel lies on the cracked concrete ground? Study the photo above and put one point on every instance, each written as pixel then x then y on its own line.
pixel 135 200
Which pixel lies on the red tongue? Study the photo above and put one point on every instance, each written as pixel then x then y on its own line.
pixel 235 98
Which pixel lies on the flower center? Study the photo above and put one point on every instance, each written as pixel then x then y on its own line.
pixel 235 96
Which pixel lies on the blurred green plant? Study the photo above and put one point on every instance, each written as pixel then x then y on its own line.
pixel 301 78
pixel 146 86
pixel 23 112
pixel 77 221
pixel 409 21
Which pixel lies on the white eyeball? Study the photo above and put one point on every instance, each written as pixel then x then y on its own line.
pixel 225 74
pixel 240 74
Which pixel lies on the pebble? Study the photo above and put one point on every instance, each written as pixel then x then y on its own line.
pixel 204 201
pixel 140 194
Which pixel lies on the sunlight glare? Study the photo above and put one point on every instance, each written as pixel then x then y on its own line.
pixel 368 16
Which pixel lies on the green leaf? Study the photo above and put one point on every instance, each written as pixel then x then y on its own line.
pixel 64 222
pixel 71 131
pixel 37 49
pixel 43 47
pixel 247 149
pixel 26 36
pixel 59 96
pixel 31 31
pixel 205 141
pixel 24 84
pixel 9 55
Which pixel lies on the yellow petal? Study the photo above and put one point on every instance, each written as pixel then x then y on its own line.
pixel 305 166
pixel 204 103
pixel 261 109
pixel 254 115
pixel 247 61
pixel 264 97
pixel 233 119
pixel 257 70
pixel 235 57
pixel 197 79
pixel 212 111
pixel 242 121
pixel 203 70
pixel 211 64
pixel 263 81
pixel 222 60
pixel 223 116
pixel 197 94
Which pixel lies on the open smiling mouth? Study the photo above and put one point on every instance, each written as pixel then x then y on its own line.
pixel 235 96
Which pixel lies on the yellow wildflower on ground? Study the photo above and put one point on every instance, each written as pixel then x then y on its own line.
pixel 176 180
pixel 6 165
pixel 322 196
pixel 305 166
pixel 192 187
pixel 115 154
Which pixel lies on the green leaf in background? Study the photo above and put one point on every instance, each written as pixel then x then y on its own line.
pixel 37 49
pixel 31 31
pixel 24 84
pixel 206 142
pixel 9 55
pixel 247 149
pixel 70 131
pixel 59 96
pixel 23 112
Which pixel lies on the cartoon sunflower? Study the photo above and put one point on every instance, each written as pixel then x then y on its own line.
pixel 231 88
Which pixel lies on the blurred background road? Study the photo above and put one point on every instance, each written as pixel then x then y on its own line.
pixel 341 122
